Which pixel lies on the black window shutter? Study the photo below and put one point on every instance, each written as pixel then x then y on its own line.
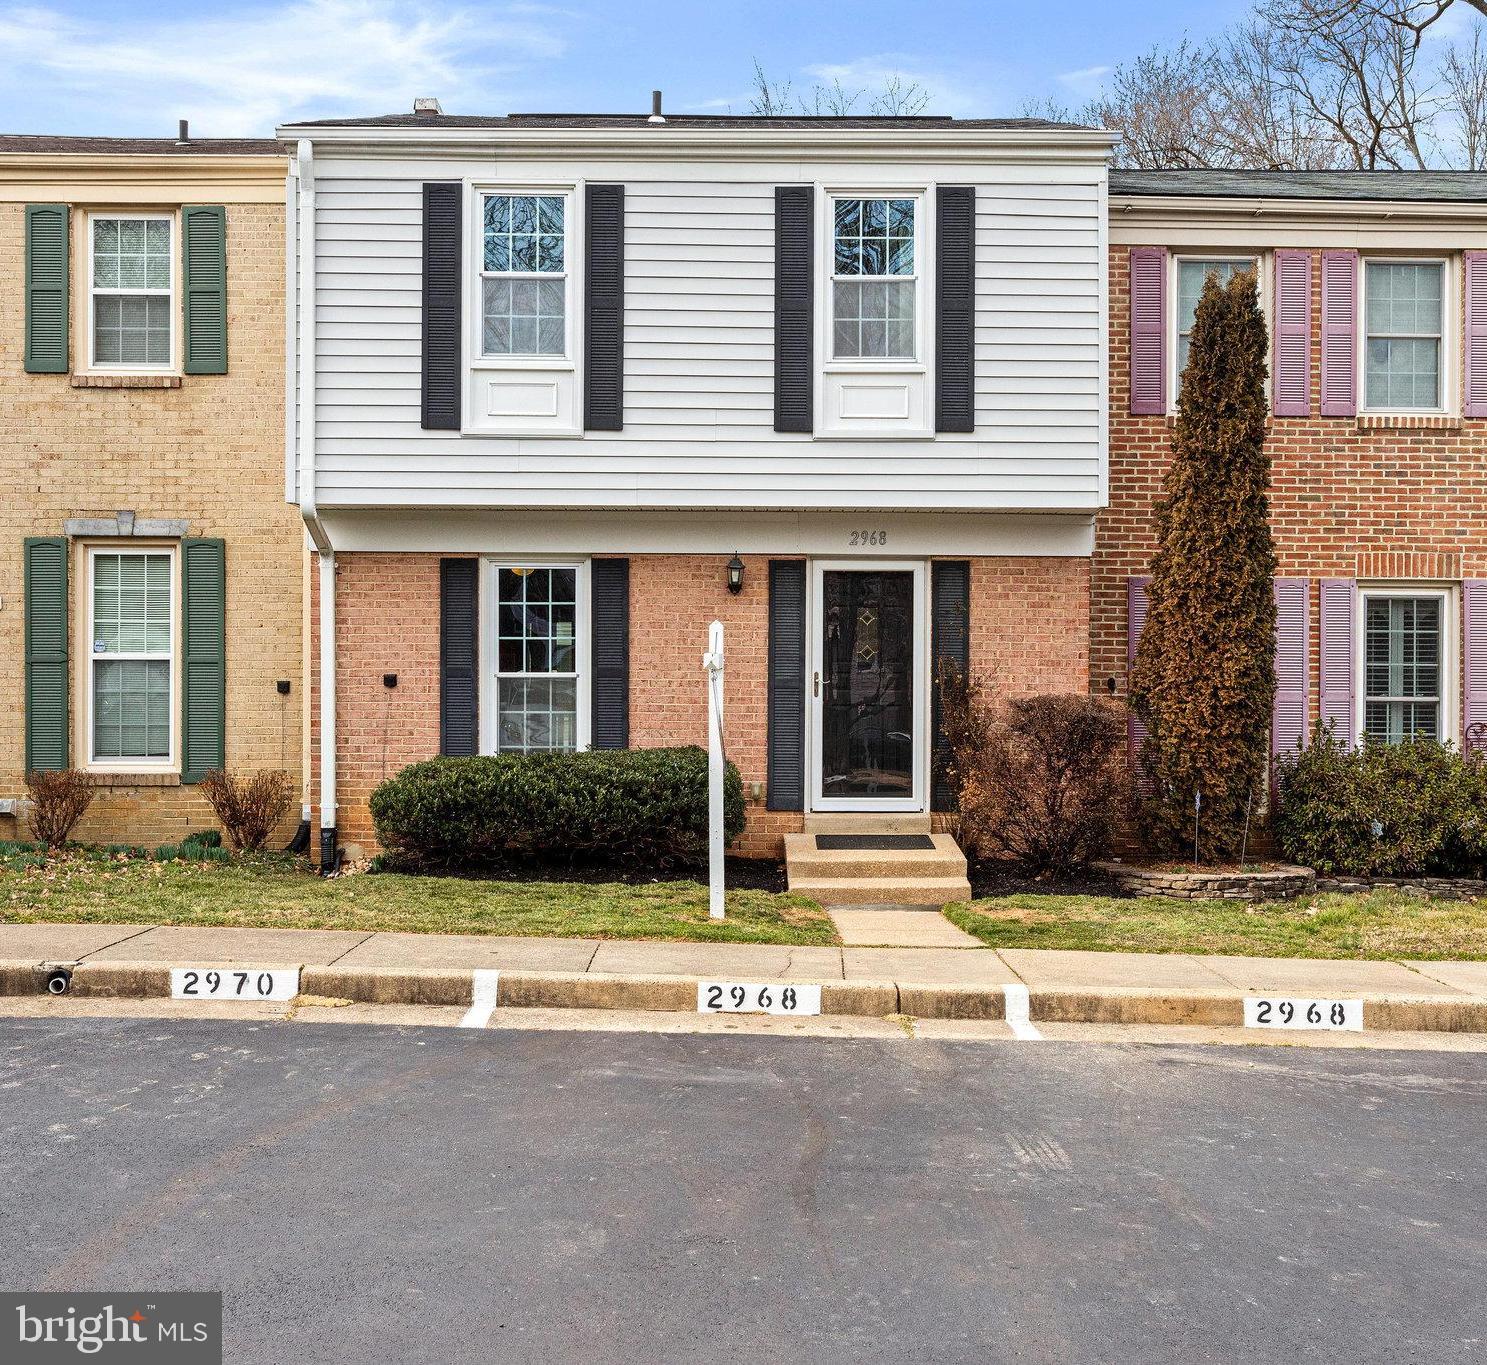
pixel 794 309
pixel 441 306
pixel 785 774
pixel 459 695
pixel 955 308
pixel 950 640
pixel 604 308
pixel 609 608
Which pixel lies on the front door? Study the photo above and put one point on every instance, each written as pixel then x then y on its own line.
pixel 867 688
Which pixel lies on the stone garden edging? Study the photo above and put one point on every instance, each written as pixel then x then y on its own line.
pixel 1268 884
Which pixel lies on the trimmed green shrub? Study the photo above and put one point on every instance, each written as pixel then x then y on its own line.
pixel 620 806
pixel 1382 810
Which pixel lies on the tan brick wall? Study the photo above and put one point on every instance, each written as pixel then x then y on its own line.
pixel 1351 497
pixel 1028 630
pixel 210 452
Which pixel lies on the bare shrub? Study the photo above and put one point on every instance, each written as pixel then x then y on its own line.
pixel 1038 778
pixel 58 802
pixel 249 807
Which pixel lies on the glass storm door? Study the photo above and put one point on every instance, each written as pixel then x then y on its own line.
pixel 865 689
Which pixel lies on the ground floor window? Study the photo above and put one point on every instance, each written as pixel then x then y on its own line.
pixel 131 655
pixel 538 657
pixel 1404 666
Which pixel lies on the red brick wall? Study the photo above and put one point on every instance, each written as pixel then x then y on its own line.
pixel 1351 497
pixel 1028 631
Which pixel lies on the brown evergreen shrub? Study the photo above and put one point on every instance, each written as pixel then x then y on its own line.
pixel 249 807
pixel 1036 779
pixel 58 801
pixel 1204 676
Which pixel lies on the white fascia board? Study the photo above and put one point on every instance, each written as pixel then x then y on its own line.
pixel 447 531
pixel 1162 210
pixel 1090 147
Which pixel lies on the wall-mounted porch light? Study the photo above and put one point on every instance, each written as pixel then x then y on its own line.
pixel 735 575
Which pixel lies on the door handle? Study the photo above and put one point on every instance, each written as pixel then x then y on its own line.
pixel 815 684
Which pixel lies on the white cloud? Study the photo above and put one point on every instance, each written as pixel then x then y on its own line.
pixel 1085 81
pixel 242 72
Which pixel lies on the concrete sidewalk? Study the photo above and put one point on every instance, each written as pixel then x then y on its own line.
pixel 931 983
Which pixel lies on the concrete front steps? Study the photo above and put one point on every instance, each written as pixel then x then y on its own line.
pixel 897 877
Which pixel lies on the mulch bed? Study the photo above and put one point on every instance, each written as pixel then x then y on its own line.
pixel 739 874
pixel 998 879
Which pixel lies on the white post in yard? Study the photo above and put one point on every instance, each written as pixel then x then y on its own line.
pixel 712 662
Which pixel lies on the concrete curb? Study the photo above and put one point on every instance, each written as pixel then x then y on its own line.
pixel 678 994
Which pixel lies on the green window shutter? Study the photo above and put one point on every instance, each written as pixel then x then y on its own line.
pixel 46 653
pixel 204 258
pixel 46 288
pixel 204 661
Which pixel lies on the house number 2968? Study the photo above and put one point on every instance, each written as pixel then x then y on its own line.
pixel 856 538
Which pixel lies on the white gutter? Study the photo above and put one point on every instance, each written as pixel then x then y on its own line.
pixel 305 295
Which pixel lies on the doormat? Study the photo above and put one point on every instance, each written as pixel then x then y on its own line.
pixel 883 843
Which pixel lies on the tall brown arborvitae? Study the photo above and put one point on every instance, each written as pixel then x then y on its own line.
pixel 1204 677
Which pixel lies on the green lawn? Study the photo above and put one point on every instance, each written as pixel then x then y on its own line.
pixel 1382 924
pixel 86 887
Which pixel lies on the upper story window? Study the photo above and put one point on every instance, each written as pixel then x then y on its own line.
pixel 524 276
pixel 1191 277
pixel 131 284
pixel 1404 314
pixel 131 669
pixel 874 282
pixel 1403 674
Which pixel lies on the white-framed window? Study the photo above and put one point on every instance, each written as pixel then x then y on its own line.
pixel 537 647
pixel 525 253
pixel 1407 663
pixel 876 250
pixel 1191 273
pixel 131 689
pixel 1405 308
pixel 131 291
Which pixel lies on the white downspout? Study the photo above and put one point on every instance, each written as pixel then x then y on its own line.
pixel 305 167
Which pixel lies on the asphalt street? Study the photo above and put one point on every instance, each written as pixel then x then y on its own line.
pixel 378 1193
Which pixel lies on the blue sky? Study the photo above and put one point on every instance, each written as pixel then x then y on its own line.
pixel 106 67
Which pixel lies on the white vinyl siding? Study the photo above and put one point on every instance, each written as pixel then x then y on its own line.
pixel 699 349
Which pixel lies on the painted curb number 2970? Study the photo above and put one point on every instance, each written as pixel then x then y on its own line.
pixel 234 983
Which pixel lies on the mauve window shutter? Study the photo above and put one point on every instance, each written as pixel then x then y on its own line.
pixel 1339 333
pixel 1475 382
pixel 459 692
pixel 955 308
pixel 950 641
pixel 1288 715
pixel 794 309
pixel 441 305
pixel 1148 330
pixel 1137 603
pixel 1474 663
pixel 609 612
pixel 604 308
pixel 785 765
pixel 1292 334
pixel 1338 662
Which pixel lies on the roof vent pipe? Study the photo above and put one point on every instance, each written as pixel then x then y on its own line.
pixel 656 116
pixel 183 136
pixel 427 107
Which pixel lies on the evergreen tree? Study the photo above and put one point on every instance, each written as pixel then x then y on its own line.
pixel 1204 676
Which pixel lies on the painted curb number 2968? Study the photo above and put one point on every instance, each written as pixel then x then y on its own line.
pixel 1296 1012
pixel 771 997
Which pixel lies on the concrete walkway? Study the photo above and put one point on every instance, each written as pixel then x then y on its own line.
pixel 924 982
